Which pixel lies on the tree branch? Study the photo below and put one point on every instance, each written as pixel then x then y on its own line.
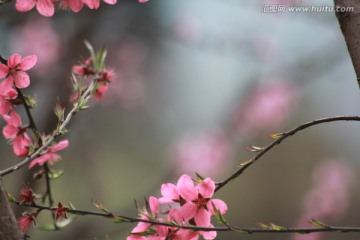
pixel 282 136
pixel 228 228
pixel 9 229
pixel 59 131
pixel 349 23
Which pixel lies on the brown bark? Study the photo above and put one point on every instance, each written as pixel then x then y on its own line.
pixel 9 229
pixel 350 26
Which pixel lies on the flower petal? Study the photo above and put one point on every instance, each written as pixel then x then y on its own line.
pixel 6 87
pixel 14 60
pixel 188 210
pixel 24 5
pixel 141 227
pixel 4 105
pixel 202 218
pixel 15 118
pixel 21 146
pixel 175 215
pixel 154 205
pixel 60 146
pixel 27 63
pixel 4 70
pixel 21 79
pixel 9 131
pixel 169 190
pixel 207 188
pixel 76 5
pixel 92 4
pixel 186 188
pixel 40 160
pixel 111 2
pixel 220 205
pixel 45 7
pixel 209 235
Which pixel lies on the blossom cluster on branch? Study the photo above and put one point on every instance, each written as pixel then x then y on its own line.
pixel 13 70
pixel 188 205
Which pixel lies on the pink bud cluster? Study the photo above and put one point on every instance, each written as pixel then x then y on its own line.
pixel 25 221
pixel 189 206
pixel 86 69
pixel 46 7
pixel 27 196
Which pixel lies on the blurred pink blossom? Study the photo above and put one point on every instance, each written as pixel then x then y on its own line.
pixel 129 89
pixel 267 108
pixel 187 29
pixel 133 92
pixel 131 53
pixel 41 40
pixel 328 199
pixel 206 154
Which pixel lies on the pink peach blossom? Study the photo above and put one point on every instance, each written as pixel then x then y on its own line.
pixel 199 204
pixel 106 77
pixel 15 69
pixel 26 195
pixel 15 132
pixel 195 201
pixel 171 193
pixel 60 212
pixel 174 232
pixel 25 221
pixel 100 91
pixel 84 68
pixel 44 7
pixel 194 207
pixel 50 156
pixel 7 93
pixel 143 226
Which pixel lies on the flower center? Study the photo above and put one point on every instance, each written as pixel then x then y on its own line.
pixel 200 202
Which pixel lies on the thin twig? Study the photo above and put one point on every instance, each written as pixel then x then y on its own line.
pixel 32 124
pixel 49 193
pixel 35 130
pixel 282 137
pixel 86 94
pixel 196 228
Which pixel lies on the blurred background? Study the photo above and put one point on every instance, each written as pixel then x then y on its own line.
pixel 197 82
